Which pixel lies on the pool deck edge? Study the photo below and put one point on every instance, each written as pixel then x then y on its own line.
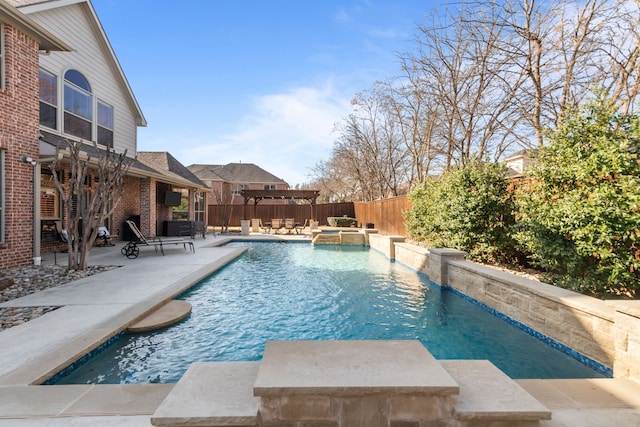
pixel 573 402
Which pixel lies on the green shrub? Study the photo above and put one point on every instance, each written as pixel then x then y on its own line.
pixel 579 216
pixel 468 208
pixel 342 221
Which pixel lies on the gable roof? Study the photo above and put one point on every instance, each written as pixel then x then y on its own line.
pixel 235 172
pixel 168 166
pixel 32 6
pixel 46 41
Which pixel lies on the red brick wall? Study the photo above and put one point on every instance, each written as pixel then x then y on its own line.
pixel 19 127
pixel 129 205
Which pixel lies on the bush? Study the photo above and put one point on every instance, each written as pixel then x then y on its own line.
pixel 342 221
pixel 469 208
pixel 580 213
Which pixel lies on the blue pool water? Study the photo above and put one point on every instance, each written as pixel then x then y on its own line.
pixel 278 291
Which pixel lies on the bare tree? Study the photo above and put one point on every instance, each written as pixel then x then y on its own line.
pixel 369 144
pixel 417 119
pixel 225 201
pixel 462 68
pixel 565 50
pixel 621 62
pixel 486 78
pixel 88 202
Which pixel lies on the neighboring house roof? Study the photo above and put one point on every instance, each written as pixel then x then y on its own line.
pixel 166 164
pixel 46 41
pixel 527 152
pixel 235 172
pixel 32 6
pixel 519 161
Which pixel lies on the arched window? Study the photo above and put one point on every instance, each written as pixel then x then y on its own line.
pixel 78 105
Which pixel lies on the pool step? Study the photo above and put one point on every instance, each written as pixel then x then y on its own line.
pixel 170 313
pixel 212 394
pixel 348 383
pixel 488 396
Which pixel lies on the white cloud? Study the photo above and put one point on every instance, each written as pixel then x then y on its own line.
pixel 285 133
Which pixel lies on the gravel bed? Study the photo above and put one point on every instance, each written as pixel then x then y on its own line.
pixel 18 282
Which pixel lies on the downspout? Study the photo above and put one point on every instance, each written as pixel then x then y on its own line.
pixel 37 227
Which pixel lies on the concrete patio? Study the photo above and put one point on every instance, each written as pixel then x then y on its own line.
pixel 97 307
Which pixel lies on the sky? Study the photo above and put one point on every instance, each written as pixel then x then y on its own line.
pixel 255 81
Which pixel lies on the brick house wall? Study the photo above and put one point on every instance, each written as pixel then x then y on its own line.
pixel 19 127
pixel 129 205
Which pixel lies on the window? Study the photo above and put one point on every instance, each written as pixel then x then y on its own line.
pixel 105 124
pixel 2 84
pixel 182 211
pixel 269 187
pixel 48 99
pixel 237 188
pixel 200 205
pixel 49 203
pixel 80 206
pixel 78 105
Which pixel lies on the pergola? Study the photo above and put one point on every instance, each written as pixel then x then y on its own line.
pixel 258 195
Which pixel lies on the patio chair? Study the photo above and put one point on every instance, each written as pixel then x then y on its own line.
pixel 104 237
pixel 266 226
pixel 297 226
pixel 62 236
pixel 198 227
pixel 276 224
pixel 131 249
pixel 289 225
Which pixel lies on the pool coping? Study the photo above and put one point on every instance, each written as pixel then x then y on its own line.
pixel 18 393
pixel 36 370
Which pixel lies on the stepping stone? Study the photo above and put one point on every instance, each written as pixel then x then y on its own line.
pixel 168 314
pixel 488 395
pixel 212 394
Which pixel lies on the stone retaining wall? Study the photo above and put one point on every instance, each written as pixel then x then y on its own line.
pixel 605 331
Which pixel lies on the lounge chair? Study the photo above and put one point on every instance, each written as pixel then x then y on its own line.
pixel 131 250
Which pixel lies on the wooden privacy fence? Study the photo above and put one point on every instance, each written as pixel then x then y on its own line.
pixel 385 215
pixel 267 212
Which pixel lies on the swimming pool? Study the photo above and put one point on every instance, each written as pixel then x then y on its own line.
pixel 295 291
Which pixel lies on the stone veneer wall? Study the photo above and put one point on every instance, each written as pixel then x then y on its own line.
pixel 627 336
pixel 607 332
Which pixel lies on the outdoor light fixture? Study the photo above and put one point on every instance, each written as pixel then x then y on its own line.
pixel 26 159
